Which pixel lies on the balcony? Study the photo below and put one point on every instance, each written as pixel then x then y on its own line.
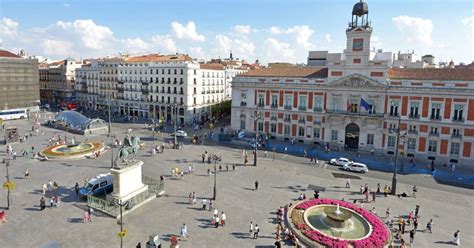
pixel 287 120
pixel 303 108
pixel 318 109
pixel 456 135
pixel 274 106
pixel 413 131
pixel 317 122
pixel 393 115
pixel 273 118
pixel 345 112
pixel 302 121
pixel 414 116
pixel 433 134
pixel 261 104
pixel 243 104
pixel 288 107
pixel 145 91
pixel 435 117
pixel 458 119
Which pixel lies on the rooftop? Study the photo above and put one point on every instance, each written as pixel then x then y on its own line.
pixel 295 71
pixel 450 74
pixel 159 58
pixel 212 66
pixel 7 54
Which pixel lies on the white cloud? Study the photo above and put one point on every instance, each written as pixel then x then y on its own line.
pixel 8 27
pixel 92 35
pixel 164 44
pixel 242 29
pixel 302 33
pixel 57 48
pixel 414 29
pixel 137 45
pixel 186 32
pixel 278 51
pixel 240 47
pixel 328 38
pixel 66 5
pixel 468 21
pixel 197 52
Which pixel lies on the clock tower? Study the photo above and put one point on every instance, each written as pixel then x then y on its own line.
pixel 358 34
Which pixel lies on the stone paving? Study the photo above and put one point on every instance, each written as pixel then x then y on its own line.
pixel 280 182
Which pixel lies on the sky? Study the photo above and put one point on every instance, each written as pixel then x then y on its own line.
pixel 268 30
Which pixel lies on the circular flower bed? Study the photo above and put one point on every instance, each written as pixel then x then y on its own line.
pixel 51 151
pixel 378 237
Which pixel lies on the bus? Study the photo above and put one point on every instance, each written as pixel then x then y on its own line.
pixel 12 114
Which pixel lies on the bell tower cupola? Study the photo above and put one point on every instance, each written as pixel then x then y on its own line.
pixel 358 34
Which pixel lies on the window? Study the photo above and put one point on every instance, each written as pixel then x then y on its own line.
pixel 303 102
pixel 335 103
pixel 370 139
pixel 274 101
pixel 182 72
pixel 286 130
pixel 434 130
pixel 288 101
pixel 456 132
pixel 261 100
pixel 316 131
pixel 394 108
pixel 414 107
pixel 435 111
pixel 242 122
pixel 334 135
pixel 458 112
pixel 411 144
pixel 301 131
pixel 318 104
pixel 454 149
pixel 260 127
pixel 391 141
pixel 243 99
pixel 273 116
pixel 432 145
pixel 353 107
pixel 287 117
pixel 273 128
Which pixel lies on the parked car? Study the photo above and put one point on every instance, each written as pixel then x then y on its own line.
pixel 180 133
pixel 99 185
pixel 355 167
pixel 339 161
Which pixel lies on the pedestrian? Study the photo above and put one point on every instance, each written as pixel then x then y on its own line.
pixel 76 188
pixel 415 224
pixel 429 225
pixel 27 174
pixel 378 188
pixel 184 232
pixel 457 240
pixel 417 210
pixel 223 218
pixel 251 229
pixel 256 185
pixel 217 220
pixel 233 167
pixel 211 203
pixel 403 227
pixel 3 217
pixel 373 196
pixel 204 204
pixel 412 236
pixel 90 211
pixel 45 187
pixel 414 191
pixel 256 231
pixel 139 245
pixel 348 183
pixel 42 203
pixel 190 198
pixel 374 211
pixel 385 190
pixel 85 217
pixel 227 167
pixel 51 201
pixel 194 198
pixel 216 212
pixel 387 213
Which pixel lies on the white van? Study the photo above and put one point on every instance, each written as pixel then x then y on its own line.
pixel 100 185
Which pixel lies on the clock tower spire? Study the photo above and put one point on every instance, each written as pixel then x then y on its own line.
pixel 358 34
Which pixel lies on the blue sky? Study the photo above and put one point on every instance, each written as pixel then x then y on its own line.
pixel 269 30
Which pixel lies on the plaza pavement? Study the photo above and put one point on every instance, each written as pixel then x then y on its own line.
pixel 281 181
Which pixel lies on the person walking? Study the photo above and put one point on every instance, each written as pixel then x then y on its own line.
pixel 76 188
pixel 348 183
pixel 387 213
pixel 184 232
pixel 256 231
pixel 42 203
pixel 204 204
pixel 457 240
pixel 251 229
pixel 223 218
pixel 429 225
pixel 256 185
pixel 27 174
pixel 45 188
pixel 414 191
pixel 216 222
pixel 85 217
pixel 412 236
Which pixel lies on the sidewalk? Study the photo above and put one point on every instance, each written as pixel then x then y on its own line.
pixel 462 176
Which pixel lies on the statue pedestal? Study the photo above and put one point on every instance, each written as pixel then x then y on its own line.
pixel 128 181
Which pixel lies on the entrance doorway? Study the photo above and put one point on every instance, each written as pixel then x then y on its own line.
pixel 352 136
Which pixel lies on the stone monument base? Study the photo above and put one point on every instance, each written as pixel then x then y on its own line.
pixel 128 181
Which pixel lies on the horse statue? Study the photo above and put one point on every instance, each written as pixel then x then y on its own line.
pixel 128 149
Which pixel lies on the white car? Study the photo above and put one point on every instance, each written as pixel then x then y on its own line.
pixel 339 161
pixel 180 133
pixel 356 167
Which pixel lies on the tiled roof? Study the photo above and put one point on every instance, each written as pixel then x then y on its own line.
pixel 7 54
pixel 294 71
pixel 451 74
pixel 159 57
pixel 212 66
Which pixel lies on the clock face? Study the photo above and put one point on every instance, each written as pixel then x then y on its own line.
pixel 357 44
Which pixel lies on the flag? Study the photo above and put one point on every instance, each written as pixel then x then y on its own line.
pixel 365 104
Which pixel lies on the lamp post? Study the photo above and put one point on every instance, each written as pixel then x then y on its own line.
pixel 110 136
pixel 257 117
pixel 175 111
pixel 121 205
pixel 214 196
pixel 7 164
pixel 394 177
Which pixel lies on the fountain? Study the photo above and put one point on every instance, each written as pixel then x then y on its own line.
pixel 76 151
pixel 327 222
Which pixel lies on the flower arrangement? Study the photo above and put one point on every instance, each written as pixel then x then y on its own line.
pixel 51 150
pixel 378 237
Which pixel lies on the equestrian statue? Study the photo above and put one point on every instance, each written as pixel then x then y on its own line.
pixel 128 151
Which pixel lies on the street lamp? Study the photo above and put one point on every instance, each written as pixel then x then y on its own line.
pixel 110 136
pixel 175 111
pixel 7 164
pixel 394 177
pixel 121 205
pixel 215 180
pixel 257 117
